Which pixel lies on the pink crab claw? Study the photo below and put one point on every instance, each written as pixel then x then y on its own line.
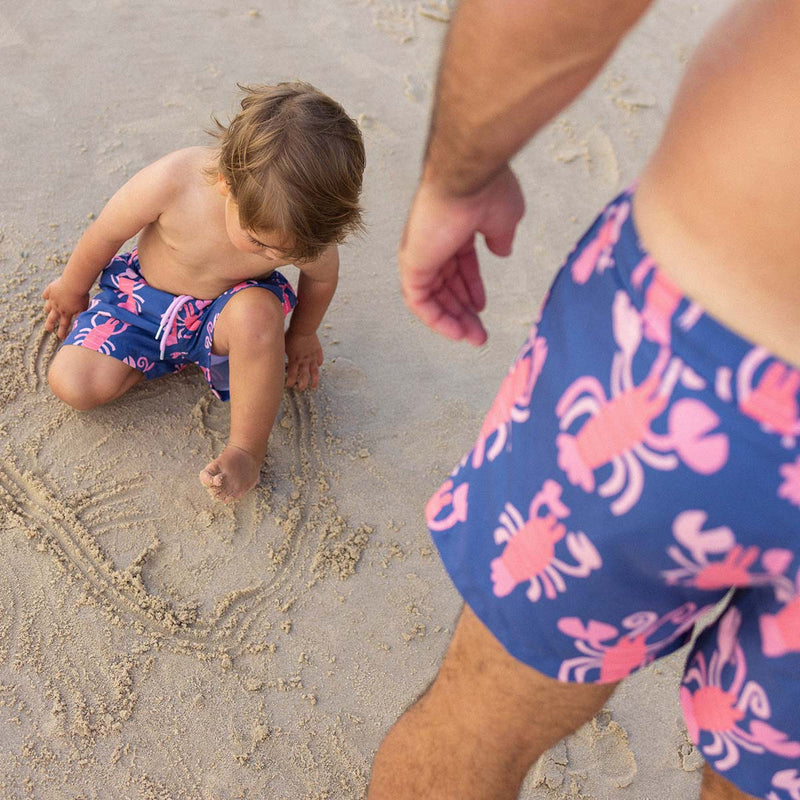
pixel 689 422
pixel 550 496
pixel 594 633
pixel 776 560
pixel 584 264
pixel 607 236
pixel 788 779
pixel 773 740
pixel 441 500
pixel 728 631
pixel 688 530
pixel 571 461
pixel 780 633
pixel 627 323
pixel 502 580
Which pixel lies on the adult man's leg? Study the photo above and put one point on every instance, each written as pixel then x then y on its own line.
pixel 480 726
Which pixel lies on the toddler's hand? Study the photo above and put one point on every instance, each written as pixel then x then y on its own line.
pixel 305 357
pixel 61 305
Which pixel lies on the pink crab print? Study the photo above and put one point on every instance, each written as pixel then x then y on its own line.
pixel 716 561
pixel 732 712
pixel 661 301
pixel 209 338
pixel 444 497
pixel 596 255
pixel 773 401
pixel 98 337
pixel 529 553
pixel 129 282
pixel 618 428
pixel 187 319
pixel 142 363
pixel 787 780
pixel 780 632
pixel 790 488
pixel 616 655
pixel 511 402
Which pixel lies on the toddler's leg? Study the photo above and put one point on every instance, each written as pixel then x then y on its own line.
pixel 250 332
pixel 84 378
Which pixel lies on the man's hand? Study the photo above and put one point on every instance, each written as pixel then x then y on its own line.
pixel 61 305
pixel 439 268
pixel 305 357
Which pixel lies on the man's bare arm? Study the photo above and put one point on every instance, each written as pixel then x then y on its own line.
pixel 507 69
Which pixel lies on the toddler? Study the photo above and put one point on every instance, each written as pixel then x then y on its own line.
pixel 202 285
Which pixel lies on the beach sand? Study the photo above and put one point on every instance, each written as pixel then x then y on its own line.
pixel 156 645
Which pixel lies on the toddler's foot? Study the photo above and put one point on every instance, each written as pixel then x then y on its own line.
pixel 233 473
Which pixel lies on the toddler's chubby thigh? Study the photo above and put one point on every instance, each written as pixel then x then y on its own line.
pixel 84 378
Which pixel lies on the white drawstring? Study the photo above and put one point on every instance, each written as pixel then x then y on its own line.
pixel 168 320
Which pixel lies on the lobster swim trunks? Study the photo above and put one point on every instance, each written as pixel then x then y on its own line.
pixel 639 465
pixel 156 332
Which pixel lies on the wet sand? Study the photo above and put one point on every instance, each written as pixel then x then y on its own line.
pixel 157 645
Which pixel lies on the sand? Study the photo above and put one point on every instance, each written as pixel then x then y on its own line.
pixel 156 645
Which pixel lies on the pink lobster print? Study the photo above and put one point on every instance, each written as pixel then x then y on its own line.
pixel 596 255
pixel 142 363
pixel 443 498
pixel 733 569
pixel 511 402
pixel 788 780
pixel 661 301
pixel 721 710
pixel 618 430
pixel 129 282
pixel 99 336
pixel 188 318
pixel 529 554
pixel 617 655
pixel 780 632
pixel 790 488
pixel 773 402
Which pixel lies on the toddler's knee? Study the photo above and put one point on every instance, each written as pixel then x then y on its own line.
pixel 72 388
pixel 255 322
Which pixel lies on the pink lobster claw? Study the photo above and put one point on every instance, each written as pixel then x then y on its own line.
pixel 442 499
pixel 689 422
pixel 780 633
pixel 594 633
pixel 607 236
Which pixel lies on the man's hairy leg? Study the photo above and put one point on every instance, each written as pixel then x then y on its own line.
pixel 715 787
pixel 480 726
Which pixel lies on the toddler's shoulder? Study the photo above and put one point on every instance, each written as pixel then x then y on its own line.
pixel 187 165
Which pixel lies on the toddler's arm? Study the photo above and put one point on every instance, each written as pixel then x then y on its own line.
pixel 315 291
pixel 140 201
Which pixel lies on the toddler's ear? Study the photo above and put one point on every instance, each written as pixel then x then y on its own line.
pixel 223 187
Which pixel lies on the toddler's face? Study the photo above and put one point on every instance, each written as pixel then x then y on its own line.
pixel 272 246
